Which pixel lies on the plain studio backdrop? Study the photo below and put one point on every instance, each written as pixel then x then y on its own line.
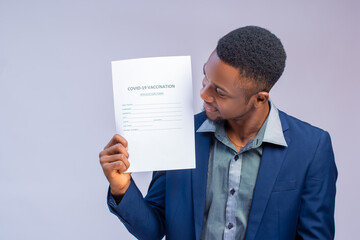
pixel 56 102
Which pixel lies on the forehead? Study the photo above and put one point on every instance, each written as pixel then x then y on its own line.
pixel 225 75
pixel 216 66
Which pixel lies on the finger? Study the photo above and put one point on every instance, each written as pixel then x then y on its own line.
pixel 115 149
pixel 117 166
pixel 114 158
pixel 117 139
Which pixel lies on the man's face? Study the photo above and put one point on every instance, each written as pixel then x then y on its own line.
pixel 225 92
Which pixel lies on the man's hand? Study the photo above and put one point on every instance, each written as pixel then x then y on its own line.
pixel 114 162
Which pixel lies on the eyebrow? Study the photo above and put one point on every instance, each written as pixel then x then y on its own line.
pixel 215 85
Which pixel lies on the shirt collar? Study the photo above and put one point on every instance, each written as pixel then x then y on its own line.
pixel 207 126
pixel 274 133
pixel 273 129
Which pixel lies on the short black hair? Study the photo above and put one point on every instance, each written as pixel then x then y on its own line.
pixel 256 52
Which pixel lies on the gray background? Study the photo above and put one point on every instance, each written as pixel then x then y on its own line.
pixel 56 109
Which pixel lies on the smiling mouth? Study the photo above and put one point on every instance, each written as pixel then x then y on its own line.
pixel 209 108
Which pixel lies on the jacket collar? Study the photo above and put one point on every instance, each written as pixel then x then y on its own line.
pixel 271 162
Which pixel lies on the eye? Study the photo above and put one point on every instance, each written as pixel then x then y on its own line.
pixel 219 93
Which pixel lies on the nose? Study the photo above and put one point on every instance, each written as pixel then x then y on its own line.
pixel 205 92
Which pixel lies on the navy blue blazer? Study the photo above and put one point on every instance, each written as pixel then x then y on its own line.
pixel 294 195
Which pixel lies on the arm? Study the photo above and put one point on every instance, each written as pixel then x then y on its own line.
pixel 316 220
pixel 144 218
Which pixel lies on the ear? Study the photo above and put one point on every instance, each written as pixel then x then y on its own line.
pixel 262 98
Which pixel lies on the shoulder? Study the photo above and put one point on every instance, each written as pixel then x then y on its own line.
pixel 302 135
pixel 298 126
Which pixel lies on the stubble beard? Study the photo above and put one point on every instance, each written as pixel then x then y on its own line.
pixel 218 120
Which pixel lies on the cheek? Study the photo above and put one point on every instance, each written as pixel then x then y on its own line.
pixel 231 108
pixel 223 107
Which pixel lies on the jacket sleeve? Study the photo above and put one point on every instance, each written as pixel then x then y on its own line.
pixel 143 217
pixel 316 220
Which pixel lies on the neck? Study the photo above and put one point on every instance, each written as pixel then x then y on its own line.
pixel 242 130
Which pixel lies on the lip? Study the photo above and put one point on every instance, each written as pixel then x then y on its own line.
pixel 209 108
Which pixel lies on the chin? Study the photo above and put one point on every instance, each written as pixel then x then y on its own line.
pixel 214 116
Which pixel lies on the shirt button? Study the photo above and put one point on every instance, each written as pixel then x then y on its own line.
pixel 232 191
pixel 236 157
pixel 230 226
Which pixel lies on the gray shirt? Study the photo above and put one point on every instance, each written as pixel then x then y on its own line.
pixel 232 177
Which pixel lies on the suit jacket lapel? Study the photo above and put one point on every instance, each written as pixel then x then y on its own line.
pixel 199 179
pixel 270 165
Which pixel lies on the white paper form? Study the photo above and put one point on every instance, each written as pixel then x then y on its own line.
pixel 154 112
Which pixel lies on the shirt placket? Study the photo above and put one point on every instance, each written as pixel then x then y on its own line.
pixel 231 204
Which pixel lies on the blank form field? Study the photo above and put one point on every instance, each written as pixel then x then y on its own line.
pixel 152 117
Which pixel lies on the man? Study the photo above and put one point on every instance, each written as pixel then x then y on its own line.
pixel 260 173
